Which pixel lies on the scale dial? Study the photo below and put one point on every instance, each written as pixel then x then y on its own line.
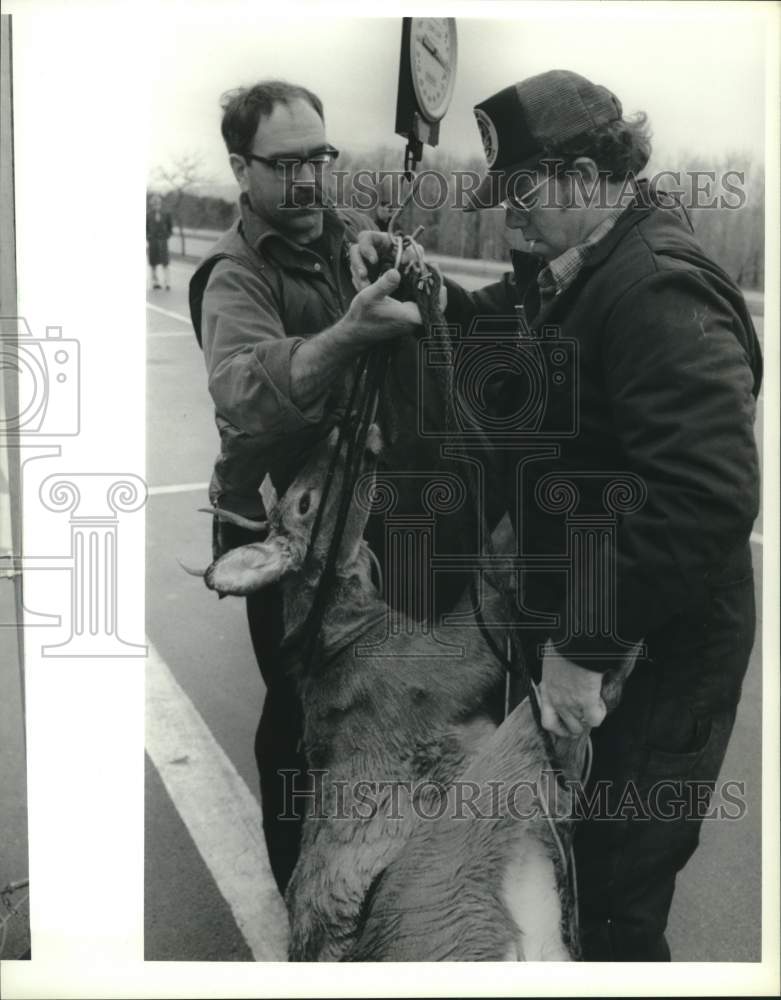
pixel 433 51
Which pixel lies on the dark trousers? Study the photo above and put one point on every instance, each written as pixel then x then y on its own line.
pixel 277 740
pixel 656 760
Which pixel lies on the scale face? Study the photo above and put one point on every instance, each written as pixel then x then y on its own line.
pixel 433 50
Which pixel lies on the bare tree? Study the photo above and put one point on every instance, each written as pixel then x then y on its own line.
pixel 184 174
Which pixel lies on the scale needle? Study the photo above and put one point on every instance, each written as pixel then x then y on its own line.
pixel 429 46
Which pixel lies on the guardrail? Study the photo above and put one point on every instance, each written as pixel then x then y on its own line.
pixel 198 242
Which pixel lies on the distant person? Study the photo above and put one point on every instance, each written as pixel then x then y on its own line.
pixel 158 231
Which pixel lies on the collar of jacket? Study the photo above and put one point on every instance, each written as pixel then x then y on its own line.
pixel 266 240
pixel 527 268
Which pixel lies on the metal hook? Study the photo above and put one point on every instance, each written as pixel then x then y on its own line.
pixel 402 205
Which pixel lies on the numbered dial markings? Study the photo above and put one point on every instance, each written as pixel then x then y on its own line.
pixel 433 60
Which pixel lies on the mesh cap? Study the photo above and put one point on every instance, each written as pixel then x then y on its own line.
pixel 520 123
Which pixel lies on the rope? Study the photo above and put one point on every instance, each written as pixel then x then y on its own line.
pixel 567 857
pixel 369 377
pixel 514 660
pixel 512 657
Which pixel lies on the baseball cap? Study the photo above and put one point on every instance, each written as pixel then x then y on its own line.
pixel 520 123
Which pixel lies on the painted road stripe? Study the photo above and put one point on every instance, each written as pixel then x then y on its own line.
pixel 154 491
pixel 167 312
pixel 169 333
pixel 220 813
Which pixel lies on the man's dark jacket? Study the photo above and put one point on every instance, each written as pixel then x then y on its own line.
pixel 666 367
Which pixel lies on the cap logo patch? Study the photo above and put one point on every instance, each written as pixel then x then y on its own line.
pixel 488 135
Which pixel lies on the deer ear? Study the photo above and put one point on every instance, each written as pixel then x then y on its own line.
pixel 374 441
pixel 250 567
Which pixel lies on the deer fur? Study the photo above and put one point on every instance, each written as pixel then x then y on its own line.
pixel 440 889
pixel 419 714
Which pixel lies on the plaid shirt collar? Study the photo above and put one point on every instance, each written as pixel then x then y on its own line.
pixel 560 273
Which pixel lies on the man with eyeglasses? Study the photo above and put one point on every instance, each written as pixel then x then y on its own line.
pixel 280 324
pixel 651 370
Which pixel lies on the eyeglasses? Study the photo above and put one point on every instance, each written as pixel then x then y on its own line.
pixel 527 202
pixel 289 166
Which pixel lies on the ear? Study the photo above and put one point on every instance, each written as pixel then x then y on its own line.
pixel 586 177
pixel 240 169
pixel 374 441
pixel 250 567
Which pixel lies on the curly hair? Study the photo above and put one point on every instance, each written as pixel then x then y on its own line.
pixel 243 108
pixel 620 149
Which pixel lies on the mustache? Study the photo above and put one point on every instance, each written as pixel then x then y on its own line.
pixel 305 195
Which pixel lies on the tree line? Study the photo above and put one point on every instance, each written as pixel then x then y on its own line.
pixel 731 228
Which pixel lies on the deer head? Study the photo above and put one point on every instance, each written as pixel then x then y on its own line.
pixel 284 551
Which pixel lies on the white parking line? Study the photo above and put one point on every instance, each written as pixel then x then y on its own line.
pixel 154 491
pixel 219 811
pixel 167 312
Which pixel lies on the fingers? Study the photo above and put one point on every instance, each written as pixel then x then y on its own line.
pixel 570 718
pixel 551 721
pixel 364 256
pixel 386 284
pixel 594 715
pixel 377 315
pixel 410 313
pixel 358 269
pixel 572 723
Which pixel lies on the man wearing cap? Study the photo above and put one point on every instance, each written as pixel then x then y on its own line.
pixel 643 433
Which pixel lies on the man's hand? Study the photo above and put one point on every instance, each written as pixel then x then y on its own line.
pixel 365 255
pixel 371 318
pixel 571 696
pixel 374 316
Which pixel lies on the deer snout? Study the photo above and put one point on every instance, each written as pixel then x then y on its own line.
pixel 248 568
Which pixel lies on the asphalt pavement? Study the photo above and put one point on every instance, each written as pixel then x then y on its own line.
pixel 195 910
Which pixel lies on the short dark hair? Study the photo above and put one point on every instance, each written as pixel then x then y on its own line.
pixel 243 108
pixel 620 148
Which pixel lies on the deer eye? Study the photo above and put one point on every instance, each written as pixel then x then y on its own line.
pixel 304 504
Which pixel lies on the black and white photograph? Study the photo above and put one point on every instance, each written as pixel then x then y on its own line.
pixel 389 540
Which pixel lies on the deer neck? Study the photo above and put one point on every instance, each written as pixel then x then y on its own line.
pixel 354 597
